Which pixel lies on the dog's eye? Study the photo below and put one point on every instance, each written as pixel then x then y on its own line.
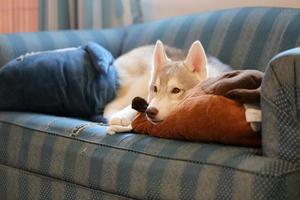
pixel 155 89
pixel 176 90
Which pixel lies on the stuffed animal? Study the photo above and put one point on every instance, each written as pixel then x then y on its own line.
pixel 203 117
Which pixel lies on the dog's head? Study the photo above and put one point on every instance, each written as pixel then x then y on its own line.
pixel 171 80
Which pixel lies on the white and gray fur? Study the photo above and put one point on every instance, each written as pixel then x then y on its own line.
pixel 137 78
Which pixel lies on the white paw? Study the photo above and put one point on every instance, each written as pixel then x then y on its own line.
pixel 113 129
pixel 119 120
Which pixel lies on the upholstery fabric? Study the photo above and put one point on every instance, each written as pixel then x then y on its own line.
pixel 135 166
pixel 76 82
pixel 27 185
pixel 240 37
pixel 14 45
pixel 281 107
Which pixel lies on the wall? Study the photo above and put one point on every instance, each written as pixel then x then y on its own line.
pixel 18 15
pixel 158 9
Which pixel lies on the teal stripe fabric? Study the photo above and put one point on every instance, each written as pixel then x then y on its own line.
pixel 14 45
pixel 4 154
pixel 240 37
pixel 130 165
pixel 261 35
pixel 91 14
pixel 291 37
pixel 225 187
pixel 157 169
pixel 46 151
pixel 233 32
pixel 190 176
pixel 208 28
pixel 125 170
pixel 95 170
pixel 28 187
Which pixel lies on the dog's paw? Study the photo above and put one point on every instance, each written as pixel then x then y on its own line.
pixel 119 120
pixel 113 129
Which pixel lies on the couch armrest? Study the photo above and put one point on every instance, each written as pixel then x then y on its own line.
pixel 281 107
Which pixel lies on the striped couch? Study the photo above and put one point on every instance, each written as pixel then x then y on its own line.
pixel 52 157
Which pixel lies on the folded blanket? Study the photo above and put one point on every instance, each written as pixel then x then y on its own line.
pixel 71 82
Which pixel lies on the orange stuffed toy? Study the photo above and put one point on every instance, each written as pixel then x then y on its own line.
pixel 201 117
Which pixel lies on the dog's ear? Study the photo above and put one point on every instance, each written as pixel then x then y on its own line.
pixel 160 58
pixel 159 55
pixel 196 59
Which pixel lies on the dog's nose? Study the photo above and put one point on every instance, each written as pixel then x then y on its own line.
pixel 151 112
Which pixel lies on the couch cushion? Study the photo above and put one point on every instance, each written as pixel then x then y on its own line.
pixel 139 166
pixel 240 37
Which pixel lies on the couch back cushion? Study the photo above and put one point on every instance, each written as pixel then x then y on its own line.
pixel 240 37
pixel 14 45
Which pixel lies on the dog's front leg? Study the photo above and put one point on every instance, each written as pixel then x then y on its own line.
pixel 121 121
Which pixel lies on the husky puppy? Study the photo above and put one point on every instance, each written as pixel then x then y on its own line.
pixel 163 75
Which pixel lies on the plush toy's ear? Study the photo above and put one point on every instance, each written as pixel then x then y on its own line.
pixel 196 59
pixel 139 104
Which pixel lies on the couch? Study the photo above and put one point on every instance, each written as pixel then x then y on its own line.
pixel 55 157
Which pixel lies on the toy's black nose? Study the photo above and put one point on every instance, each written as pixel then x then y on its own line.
pixel 151 112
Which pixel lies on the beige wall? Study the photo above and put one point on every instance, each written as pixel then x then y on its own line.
pixel 158 9
pixel 18 15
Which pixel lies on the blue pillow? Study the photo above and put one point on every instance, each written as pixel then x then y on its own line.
pixel 76 82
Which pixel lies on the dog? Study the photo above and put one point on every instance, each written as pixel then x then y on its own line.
pixel 163 75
